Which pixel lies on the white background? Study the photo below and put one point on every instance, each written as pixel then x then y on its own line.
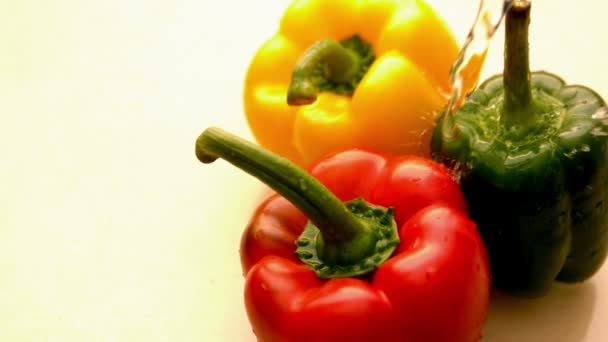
pixel 110 230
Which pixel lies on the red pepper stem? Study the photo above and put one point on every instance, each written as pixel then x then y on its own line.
pixel 519 104
pixel 321 206
pixel 341 65
pixel 341 239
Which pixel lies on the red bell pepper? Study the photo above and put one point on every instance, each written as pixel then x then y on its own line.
pixel 343 276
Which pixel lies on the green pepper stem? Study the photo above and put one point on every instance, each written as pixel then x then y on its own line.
pixel 518 93
pixel 321 206
pixel 341 65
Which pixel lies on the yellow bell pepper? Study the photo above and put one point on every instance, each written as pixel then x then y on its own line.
pixel 358 73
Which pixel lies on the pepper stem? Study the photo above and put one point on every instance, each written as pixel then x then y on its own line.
pixel 345 238
pixel 329 65
pixel 518 105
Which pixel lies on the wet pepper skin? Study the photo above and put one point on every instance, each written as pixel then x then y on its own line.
pixel 393 107
pixel 435 287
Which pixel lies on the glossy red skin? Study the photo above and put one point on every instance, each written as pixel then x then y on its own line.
pixel 435 288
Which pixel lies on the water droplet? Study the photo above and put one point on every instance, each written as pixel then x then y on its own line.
pixel 386 232
pixel 303 242
pixel 430 273
pixel 381 246
pixel 368 263
pixel 600 114
pixel 304 254
pixel 599 207
pixel 562 218
pixel 599 131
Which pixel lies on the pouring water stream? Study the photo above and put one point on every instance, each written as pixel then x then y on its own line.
pixel 489 17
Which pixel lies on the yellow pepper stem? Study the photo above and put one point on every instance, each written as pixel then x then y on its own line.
pixel 329 65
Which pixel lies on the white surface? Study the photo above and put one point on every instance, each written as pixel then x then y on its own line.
pixel 110 230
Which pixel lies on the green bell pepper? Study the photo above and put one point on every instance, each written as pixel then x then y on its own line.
pixel 531 154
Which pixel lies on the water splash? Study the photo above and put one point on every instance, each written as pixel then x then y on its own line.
pixel 489 16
